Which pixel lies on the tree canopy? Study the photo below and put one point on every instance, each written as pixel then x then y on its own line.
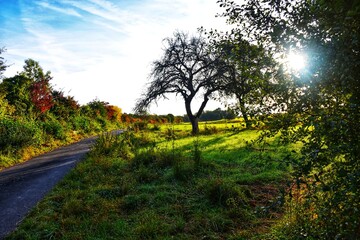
pixel 30 90
pixel 17 93
pixel 251 67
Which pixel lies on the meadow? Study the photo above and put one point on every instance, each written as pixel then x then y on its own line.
pixel 160 182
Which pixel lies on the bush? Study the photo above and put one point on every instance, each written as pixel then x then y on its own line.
pixel 95 126
pixel 197 153
pixel 81 123
pixel 16 134
pixel 103 123
pixel 54 128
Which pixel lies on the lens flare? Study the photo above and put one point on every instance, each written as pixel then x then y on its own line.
pixel 296 61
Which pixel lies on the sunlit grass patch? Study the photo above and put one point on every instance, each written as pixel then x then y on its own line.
pixel 169 187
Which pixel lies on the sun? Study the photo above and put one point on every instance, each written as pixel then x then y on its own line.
pixel 296 61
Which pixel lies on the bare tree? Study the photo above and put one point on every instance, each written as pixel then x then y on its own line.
pixel 189 67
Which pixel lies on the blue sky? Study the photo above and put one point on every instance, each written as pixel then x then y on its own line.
pixel 100 48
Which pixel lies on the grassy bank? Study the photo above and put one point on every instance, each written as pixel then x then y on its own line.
pixel 22 139
pixel 166 184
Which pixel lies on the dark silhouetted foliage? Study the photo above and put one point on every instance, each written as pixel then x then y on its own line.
pixel 321 104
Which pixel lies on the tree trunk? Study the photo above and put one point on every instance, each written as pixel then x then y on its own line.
pixel 194 120
pixel 194 124
pixel 244 113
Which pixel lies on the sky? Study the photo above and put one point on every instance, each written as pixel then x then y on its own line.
pixel 101 49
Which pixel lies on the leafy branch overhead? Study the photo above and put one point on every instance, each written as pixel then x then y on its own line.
pixel 321 104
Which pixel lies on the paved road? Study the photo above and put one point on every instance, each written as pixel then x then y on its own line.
pixel 22 186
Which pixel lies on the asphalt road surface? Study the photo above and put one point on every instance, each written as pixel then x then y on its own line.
pixel 22 186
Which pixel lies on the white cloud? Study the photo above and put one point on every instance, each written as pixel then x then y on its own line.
pixel 102 11
pixel 67 11
pixel 107 52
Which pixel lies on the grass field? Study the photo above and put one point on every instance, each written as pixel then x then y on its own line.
pixel 166 184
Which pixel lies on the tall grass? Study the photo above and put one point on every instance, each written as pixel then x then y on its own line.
pixel 165 187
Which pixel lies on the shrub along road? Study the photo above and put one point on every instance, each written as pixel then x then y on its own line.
pixel 22 186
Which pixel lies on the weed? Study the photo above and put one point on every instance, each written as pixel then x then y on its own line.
pixel 197 153
pixel 110 144
pixel 170 134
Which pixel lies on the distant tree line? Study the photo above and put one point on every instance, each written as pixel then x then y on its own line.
pixel 151 118
pixel 214 115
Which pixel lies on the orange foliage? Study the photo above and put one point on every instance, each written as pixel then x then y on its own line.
pixel 41 95
pixel 114 113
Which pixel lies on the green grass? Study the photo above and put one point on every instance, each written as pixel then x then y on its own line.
pixel 185 127
pixel 171 186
